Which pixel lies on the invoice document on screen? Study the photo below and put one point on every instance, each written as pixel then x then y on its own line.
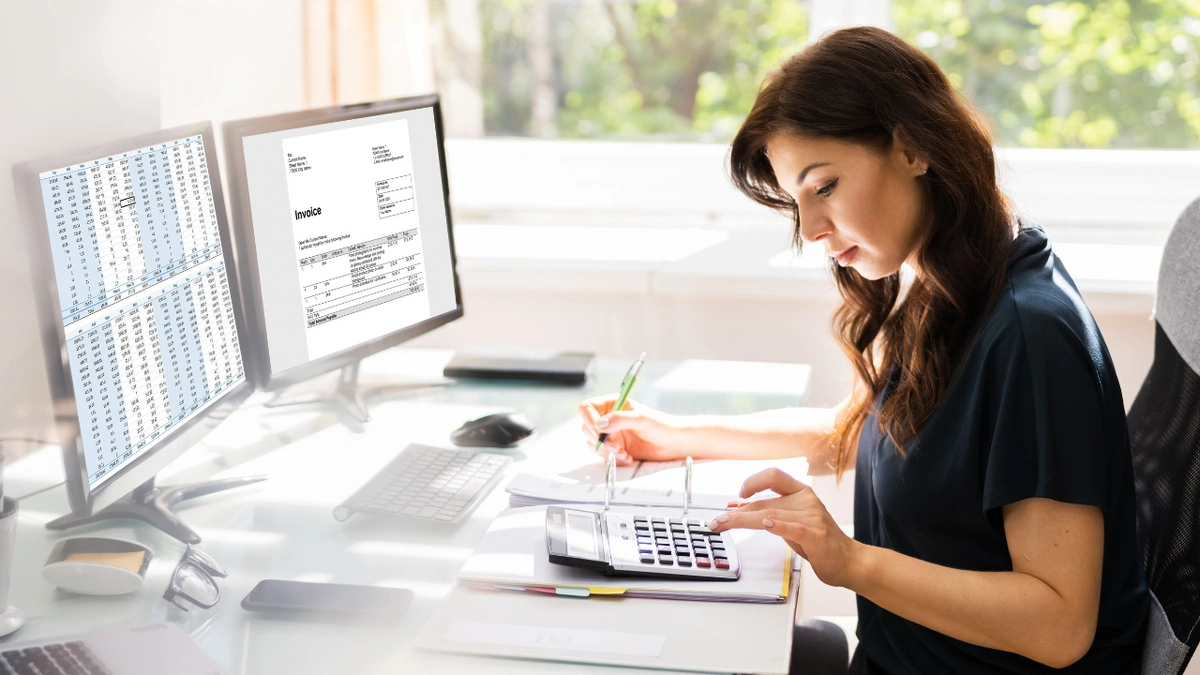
pixel 357 234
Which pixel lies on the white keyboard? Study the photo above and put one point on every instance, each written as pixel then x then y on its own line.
pixel 427 483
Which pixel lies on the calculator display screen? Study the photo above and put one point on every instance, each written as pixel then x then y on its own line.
pixel 582 535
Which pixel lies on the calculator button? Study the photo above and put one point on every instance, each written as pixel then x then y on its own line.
pixel 703 561
pixel 721 564
pixel 647 558
pixel 685 562
pixel 641 519
pixel 694 523
pixel 659 521
pixel 645 548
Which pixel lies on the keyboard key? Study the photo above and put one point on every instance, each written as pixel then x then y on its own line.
pixel 647 558
pixel 685 562
pixel 721 564
pixel 428 512
pixel 703 561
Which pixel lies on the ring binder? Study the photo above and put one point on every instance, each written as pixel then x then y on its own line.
pixel 687 484
pixel 610 479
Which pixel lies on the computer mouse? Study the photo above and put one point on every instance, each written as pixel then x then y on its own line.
pixel 499 430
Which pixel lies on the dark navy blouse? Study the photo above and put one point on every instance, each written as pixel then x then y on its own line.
pixel 1035 410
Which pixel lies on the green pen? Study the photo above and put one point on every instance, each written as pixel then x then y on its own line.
pixel 626 386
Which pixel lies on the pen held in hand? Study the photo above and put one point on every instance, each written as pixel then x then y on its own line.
pixel 626 385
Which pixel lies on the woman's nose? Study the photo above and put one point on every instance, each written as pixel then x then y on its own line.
pixel 814 228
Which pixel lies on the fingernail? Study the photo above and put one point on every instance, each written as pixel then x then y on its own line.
pixel 622 455
pixel 722 519
pixel 602 422
pixel 767 522
pixel 712 524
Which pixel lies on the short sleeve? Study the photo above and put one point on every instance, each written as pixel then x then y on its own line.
pixel 1048 436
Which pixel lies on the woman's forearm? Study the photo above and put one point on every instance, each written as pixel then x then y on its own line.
pixel 1010 611
pixel 770 434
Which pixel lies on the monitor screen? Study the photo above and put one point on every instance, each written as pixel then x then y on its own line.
pixel 351 232
pixel 146 305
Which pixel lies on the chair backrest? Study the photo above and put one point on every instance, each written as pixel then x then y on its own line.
pixel 1164 436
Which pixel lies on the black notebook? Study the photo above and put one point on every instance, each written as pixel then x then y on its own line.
pixel 554 367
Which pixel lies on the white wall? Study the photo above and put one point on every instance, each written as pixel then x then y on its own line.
pixel 75 73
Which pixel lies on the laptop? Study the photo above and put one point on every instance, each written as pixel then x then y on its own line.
pixel 157 649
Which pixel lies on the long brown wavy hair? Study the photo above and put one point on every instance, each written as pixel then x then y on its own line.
pixel 867 86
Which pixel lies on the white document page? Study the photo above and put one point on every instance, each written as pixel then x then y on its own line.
pixel 358 240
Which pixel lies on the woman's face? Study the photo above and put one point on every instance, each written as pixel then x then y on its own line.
pixel 865 206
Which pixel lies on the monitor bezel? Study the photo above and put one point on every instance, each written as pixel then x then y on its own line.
pixel 82 497
pixel 247 251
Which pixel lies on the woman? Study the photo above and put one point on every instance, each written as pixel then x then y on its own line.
pixel 994 503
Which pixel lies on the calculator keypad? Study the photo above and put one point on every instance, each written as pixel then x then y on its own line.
pixel 677 546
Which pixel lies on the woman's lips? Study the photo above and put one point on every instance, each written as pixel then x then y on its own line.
pixel 846 257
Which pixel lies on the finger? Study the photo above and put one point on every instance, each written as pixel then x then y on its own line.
pixel 752 520
pixel 783 503
pixel 619 421
pixel 612 447
pixel 772 479
pixel 794 532
pixel 591 409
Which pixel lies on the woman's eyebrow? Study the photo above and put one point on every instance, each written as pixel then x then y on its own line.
pixel 810 167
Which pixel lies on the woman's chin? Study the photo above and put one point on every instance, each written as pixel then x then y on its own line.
pixel 871 272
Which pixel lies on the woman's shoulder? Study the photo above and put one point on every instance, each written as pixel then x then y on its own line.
pixel 1040 311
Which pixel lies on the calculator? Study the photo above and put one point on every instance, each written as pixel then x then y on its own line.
pixel 623 544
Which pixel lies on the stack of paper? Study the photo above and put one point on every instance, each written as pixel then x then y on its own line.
pixel 714 483
pixel 513 556
pixel 527 490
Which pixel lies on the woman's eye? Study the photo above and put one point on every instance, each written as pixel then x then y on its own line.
pixel 828 189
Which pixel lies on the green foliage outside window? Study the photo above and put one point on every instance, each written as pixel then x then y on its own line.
pixel 1113 73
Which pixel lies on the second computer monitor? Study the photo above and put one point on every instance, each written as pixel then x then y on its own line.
pixel 342 226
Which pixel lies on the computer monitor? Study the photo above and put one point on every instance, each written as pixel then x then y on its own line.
pixel 343 234
pixel 139 311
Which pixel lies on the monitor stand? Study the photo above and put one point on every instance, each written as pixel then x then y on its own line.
pixel 349 398
pixel 153 505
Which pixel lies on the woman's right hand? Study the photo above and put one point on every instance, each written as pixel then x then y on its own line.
pixel 635 432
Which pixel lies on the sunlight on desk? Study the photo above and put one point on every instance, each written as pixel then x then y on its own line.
pixel 546 242
pixel 410 550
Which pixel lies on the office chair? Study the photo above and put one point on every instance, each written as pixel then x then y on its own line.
pixel 1164 436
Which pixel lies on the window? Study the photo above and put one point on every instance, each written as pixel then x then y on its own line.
pixel 630 69
pixel 1108 74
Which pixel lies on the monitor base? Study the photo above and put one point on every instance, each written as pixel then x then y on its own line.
pixel 153 505
pixel 349 398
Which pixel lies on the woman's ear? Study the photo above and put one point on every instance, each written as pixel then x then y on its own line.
pixel 905 155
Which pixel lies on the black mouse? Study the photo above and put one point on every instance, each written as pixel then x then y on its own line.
pixel 499 430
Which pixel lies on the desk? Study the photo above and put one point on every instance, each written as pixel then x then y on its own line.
pixel 284 528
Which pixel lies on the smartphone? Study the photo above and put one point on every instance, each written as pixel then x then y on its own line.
pixel 275 595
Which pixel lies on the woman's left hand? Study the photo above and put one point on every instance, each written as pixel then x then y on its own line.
pixel 800 518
